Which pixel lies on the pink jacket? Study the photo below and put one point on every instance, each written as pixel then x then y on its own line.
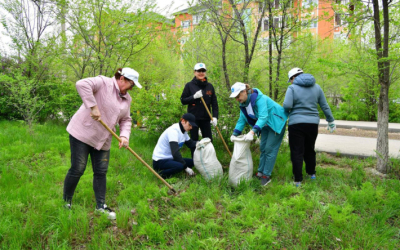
pixel 103 92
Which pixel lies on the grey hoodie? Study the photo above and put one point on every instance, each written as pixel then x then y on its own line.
pixel 301 101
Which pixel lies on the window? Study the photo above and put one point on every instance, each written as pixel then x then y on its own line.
pixel 277 23
pixel 183 40
pixel 276 4
pixel 185 24
pixel 196 19
pixel 247 19
pixel 260 7
pixel 309 3
pixel 338 21
pixel 339 36
pixel 264 43
pixel 265 24
pixel 313 23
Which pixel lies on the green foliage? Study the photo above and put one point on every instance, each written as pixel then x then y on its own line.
pixel 154 232
pixel 22 94
pixel 159 107
pixel 394 112
pixel 335 211
pixel 262 237
pixel 341 215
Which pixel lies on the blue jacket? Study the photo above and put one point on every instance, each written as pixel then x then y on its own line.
pixel 302 99
pixel 266 111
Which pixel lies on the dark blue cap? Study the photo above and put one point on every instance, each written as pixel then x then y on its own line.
pixel 190 118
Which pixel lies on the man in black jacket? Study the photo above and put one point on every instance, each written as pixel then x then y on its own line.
pixel 191 96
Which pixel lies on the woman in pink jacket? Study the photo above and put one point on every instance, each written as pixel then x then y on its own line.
pixel 106 99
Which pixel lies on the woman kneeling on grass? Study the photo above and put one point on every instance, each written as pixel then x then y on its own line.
pixel 106 99
pixel 267 118
pixel 167 159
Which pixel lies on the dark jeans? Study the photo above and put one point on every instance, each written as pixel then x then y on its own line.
pixel 79 156
pixel 167 168
pixel 302 137
pixel 205 127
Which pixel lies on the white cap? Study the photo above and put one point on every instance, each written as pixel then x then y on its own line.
pixel 293 72
pixel 131 74
pixel 237 88
pixel 199 66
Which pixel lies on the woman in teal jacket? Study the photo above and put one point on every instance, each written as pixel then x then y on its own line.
pixel 267 118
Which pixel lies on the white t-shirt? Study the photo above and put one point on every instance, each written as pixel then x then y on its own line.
pixel 162 151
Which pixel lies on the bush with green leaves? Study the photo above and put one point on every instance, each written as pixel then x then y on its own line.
pixel 157 107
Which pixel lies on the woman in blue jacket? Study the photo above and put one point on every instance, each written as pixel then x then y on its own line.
pixel 301 101
pixel 267 118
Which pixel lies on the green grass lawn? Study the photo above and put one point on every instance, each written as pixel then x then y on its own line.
pixel 345 208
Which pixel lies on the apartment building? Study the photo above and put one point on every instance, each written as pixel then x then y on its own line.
pixel 322 19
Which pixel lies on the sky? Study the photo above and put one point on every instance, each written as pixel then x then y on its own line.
pixel 164 7
pixel 167 7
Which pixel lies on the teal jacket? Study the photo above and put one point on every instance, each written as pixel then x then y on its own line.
pixel 266 112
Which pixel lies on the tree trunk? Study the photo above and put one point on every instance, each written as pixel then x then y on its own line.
pixel 382 144
pixel 278 68
pixel 224 65
pixel 270 23
pixel 382 51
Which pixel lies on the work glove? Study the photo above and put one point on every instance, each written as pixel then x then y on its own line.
pixel 198 94
pixel 233 137
pixel 249 136
pixel 214 121
pixel 189 171
pixel 331 127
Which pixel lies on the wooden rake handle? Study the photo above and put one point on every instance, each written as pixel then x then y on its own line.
pixel 138 157
pixel 219 132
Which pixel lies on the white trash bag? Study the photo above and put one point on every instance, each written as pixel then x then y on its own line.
pixel 241 166
pixel 205 160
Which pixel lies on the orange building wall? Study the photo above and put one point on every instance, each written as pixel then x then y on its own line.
pixel 324 12
pixel 325 19
pixel 183 17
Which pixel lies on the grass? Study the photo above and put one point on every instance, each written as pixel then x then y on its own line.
pixel 345 208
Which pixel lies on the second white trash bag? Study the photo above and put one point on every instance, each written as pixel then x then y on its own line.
pixel 241 167
pixel 205 160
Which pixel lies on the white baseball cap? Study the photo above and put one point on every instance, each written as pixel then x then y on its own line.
pixel 237 88
pixel 199 66
pixel 131 74
pixel 293 72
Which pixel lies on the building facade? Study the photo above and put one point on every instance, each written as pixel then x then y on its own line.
pixel 322 18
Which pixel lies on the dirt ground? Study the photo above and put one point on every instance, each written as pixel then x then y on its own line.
pixel 358 133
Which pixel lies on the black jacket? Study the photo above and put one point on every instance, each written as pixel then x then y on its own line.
pixel 195 106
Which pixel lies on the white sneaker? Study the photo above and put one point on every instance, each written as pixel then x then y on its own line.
pixel 106 210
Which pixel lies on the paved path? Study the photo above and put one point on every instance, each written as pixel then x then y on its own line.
pixel 353 146
pixel 393 127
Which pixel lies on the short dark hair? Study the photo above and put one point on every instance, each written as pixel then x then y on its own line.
pixel 291 78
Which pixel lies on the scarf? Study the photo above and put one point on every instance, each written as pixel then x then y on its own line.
pixel 248 108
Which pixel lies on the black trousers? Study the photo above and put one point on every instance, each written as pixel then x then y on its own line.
pixel 302 137
pixel 79 156
pixel 205 127
pixel 169 167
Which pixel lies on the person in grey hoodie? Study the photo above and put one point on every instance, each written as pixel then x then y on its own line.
pixel 301 101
